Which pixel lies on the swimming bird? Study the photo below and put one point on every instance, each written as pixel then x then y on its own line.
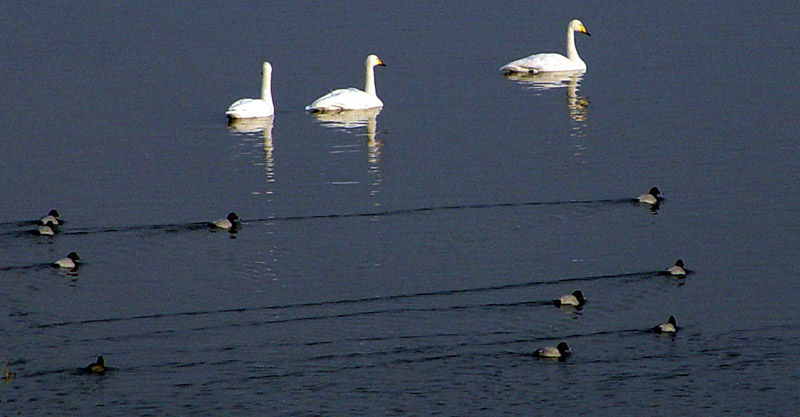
pixel 671 326
pixel 98 367
pixel 552 62
pixel 575 299
pixel 651 197
pixel 352 98
pixel 45 230
pixel 559 351
pixel 231 221
pixel 677 269
pixel 69 262
pixel 52 218
pixel 247 108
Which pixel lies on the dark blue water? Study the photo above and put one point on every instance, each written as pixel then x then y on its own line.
pixel 403 264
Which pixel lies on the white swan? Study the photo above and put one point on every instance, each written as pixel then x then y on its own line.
pixel 247 108
pixel 352 98
pixel 551 62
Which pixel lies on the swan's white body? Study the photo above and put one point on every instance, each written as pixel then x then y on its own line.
pixel 248 108
pixel 352 98
pixel 552 62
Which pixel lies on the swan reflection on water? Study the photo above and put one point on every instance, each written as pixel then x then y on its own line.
pixel 253 127
pixel 553 80
pixel 346 119
pixel 577 106
pixel 355 119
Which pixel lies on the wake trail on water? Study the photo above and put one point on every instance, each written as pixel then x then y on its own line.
pixel 365 300
pixel 195 226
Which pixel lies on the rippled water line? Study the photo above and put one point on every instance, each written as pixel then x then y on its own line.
pixel 431 349
pixel 358 300
pixel 439 352
pixel 437 348
pixel 176 227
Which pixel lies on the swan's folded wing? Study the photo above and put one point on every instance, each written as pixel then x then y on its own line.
pixel 548 62
pixel 344 99
pixel 239 103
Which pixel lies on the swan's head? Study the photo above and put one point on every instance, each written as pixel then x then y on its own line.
pixel 266 68
pixel 373 60
pixel 563 348
pixel 577 26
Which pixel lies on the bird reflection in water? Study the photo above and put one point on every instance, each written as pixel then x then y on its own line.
pixel 356 119
pixel 577 106
pixel 263 126
pixel 6 372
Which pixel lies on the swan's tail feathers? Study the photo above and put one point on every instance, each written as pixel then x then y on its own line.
pixel 332 109
pixel 516 69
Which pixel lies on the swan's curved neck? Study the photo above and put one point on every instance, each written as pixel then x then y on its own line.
pixel 266 85
pixel 369 84
pixel 572 51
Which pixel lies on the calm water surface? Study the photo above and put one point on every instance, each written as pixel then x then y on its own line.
pixel 399 263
